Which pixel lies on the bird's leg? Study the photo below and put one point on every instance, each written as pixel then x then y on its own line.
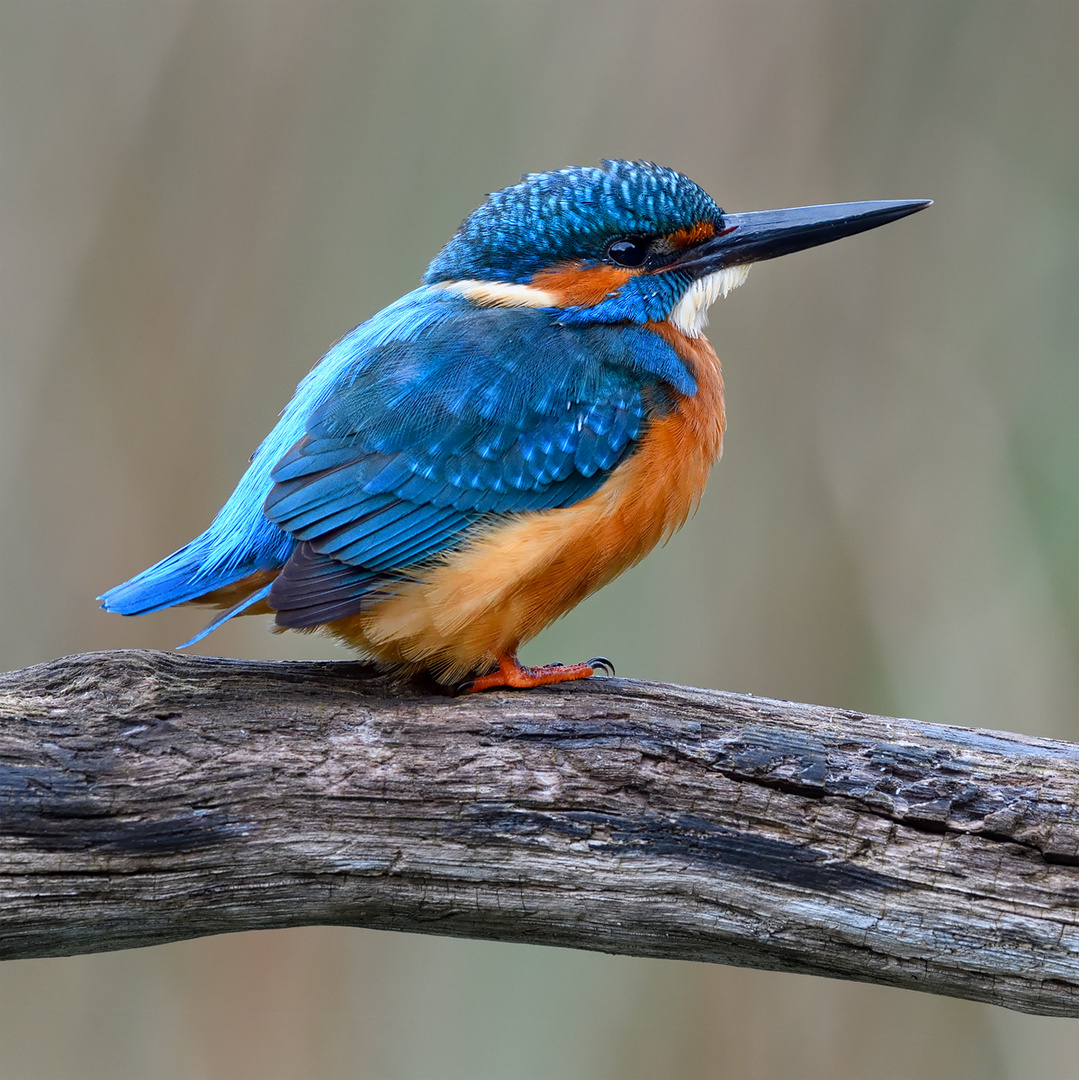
pixel 512 673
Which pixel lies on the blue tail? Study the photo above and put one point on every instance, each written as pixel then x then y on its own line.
pixel 185 575
pixel 240 542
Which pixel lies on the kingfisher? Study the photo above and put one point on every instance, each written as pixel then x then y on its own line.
pixel 477 458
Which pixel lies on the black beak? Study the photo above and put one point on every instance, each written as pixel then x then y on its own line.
pixel 766 234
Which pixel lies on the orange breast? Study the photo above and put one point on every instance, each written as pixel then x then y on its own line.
pixel 485 600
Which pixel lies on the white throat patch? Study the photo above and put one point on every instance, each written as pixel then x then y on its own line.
pixel 690 314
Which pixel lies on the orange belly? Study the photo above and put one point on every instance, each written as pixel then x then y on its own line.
pixel 464 610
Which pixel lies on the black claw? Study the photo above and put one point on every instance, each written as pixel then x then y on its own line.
pixel 602 662
pixel 457 689
pixel 557 663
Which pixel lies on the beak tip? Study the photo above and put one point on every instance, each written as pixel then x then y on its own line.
pixel 902 208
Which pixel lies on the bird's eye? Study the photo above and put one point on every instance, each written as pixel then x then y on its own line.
pixel 628 251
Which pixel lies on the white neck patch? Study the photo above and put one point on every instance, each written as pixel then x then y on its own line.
pixel 499 293
pixel 690 314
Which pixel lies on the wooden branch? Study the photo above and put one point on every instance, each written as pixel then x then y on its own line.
pixel 147 797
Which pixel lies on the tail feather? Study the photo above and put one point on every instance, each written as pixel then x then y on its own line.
pixel 240 542
pixel 236 609
pixel 188 574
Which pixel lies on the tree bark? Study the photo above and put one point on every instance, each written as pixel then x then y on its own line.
pixel 147 797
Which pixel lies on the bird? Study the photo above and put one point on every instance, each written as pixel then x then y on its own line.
pixel 470 463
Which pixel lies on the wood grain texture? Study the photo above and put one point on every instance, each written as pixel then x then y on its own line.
pixel 148 797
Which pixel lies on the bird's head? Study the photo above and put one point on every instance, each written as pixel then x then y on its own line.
pixel 627 241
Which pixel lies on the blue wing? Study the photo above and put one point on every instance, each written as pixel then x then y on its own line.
pixel 416 427
pixel 487 413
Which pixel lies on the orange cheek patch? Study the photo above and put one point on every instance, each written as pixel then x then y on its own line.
pixel 703 230
pixel 576 285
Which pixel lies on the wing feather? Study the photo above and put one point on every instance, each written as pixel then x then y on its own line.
pixel 483 414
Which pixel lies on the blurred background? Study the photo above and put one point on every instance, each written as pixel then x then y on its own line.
pixel 199 198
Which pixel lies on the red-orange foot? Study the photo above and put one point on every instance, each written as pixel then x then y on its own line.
pixel 513 674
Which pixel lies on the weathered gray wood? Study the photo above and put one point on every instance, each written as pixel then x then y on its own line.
pixel 147 797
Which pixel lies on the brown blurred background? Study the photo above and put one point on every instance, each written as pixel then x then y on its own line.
pixel 198 198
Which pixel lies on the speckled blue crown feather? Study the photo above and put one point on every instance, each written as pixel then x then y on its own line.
pixel 568 214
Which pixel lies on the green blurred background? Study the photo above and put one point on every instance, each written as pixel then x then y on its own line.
pixel 198 198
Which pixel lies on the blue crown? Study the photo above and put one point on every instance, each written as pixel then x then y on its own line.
pixel 569 214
